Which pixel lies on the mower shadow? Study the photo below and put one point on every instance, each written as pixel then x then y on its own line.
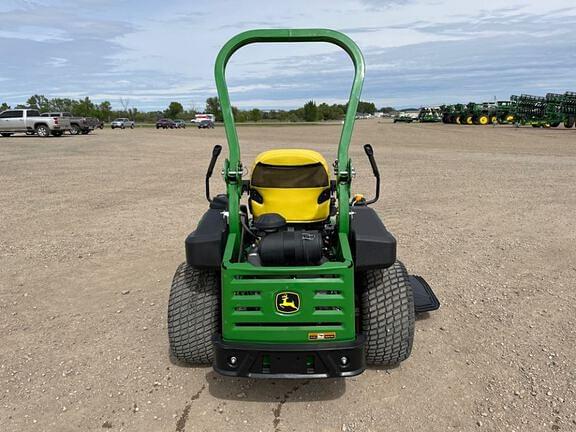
pixel 267 390
pixel 274 390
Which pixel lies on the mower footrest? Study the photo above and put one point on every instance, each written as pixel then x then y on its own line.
pixel 424 298
pixel 310 360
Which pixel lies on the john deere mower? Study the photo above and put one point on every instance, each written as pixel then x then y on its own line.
pixel 289 275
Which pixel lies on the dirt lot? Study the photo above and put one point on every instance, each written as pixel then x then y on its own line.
pixel 93 228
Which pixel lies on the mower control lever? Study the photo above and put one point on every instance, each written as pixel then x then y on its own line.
pixel 370 153
pixel 215 153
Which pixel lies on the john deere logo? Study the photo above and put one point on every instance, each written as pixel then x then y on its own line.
pixel 287 302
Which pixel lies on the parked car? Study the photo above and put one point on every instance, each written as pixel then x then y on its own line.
pixel 165 124
pixel 122 123
pixel 78 125
pixel 30 122
pixel 180 124
pixel 206 124
pixel 94 123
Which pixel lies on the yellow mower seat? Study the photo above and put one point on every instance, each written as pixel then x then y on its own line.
pixel 291 182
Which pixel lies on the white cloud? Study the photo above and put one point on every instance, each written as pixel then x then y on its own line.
pixel 418 50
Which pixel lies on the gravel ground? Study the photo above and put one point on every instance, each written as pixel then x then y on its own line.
pixel 93 228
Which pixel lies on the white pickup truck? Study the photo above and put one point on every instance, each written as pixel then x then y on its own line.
pixel 30 122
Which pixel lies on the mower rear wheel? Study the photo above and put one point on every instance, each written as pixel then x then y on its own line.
pixel 193 314
pixel 387 312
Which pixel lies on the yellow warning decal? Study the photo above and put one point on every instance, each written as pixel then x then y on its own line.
pixel 322 336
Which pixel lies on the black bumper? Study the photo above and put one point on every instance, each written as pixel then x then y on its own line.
pixel 310 360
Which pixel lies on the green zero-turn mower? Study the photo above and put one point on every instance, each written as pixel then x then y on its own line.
pixel 303 281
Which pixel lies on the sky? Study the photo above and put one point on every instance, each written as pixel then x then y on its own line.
pixel 417 52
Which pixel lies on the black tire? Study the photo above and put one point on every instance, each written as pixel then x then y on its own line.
pixel 569 122
pixel 43 131
pixel 75 130
pixel 193 314
pixel 6 134
pixel 131 126
pixel 387 314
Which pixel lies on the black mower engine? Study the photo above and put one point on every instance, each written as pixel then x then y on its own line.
pixel 278 244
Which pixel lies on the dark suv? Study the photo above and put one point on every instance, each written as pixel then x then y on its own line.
pixel 206 124
pixel 165 124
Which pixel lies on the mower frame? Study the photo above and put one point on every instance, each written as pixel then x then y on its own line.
pixel 233 167
pixel 330 283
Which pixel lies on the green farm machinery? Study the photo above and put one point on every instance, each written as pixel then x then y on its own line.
pixel 530 110
pixel 505 112
pixel 452 114
pixel 470 114
pixel 569 109
pixel 549 111
pixel 430 115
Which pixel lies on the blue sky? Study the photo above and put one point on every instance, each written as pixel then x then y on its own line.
pixel 417 51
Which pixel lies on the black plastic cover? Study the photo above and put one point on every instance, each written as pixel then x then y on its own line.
pixel 219 202
pixel 205 245
pixel 424 298
pixel 269 222
pixel 372 245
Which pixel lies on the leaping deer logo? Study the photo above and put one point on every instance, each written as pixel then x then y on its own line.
pixel 287 302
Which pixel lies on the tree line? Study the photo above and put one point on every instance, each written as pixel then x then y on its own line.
pixel 310 112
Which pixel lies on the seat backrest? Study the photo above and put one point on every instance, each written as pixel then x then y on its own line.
pixel 294 183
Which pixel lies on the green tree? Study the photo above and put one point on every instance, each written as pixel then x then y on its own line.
pixel 311 112
pixel 104 110
pixel 366 107
pixel 174 110
pixel 62 105
pixel 83 107
pixel 39 102
pixel 213 107
pixel 4 106
pixel 255 115
pixel 388 110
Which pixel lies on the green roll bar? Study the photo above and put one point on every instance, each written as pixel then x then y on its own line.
pixel 233 166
